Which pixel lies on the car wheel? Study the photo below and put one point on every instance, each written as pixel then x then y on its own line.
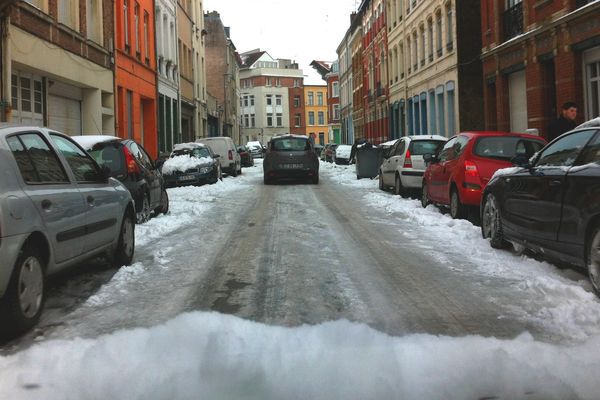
pixel 234 171
pixel 398 188
pixel 315 179
pixel 123 253
pixel 23 301
pixel 381 185
pixel 143 214
pixel 457 209
pixel 424 196
pixel 491 224
pixel 593 259
pixel 164 202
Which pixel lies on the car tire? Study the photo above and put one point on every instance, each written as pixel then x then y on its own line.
pixel 164 203
pixel 123 252
pixel 381 185
pixel 143 214
pixel 398 188
pixel 234 171
pixel 593 258
pixel 457 209
pixel 424 196
pixel 491 223
pixel 23 301
pixel 315 179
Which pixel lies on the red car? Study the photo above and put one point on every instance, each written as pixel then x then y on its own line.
pixel 457 174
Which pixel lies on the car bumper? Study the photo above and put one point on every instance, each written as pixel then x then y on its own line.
pixel 412 179
pixel 470 197
pixel 291 173
pixel 190 179
pixel 9 251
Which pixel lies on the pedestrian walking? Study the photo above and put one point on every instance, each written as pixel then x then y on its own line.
pixel 565 121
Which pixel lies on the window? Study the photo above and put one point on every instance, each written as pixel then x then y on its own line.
pixel 446 152
pixel 136 26
pixel 93 19
pixel 67 12
pixel 311 118
pixel 296 101
pixel 592 83
pixel 82 165
pixel 438 23
pixel 449 30
pixel 278 100
pixel 320 98
pixel 321 116
pixel 126 23
pixel 269 83
pixel 311 101
pixel 36 161
pixel 270 119
pixel 564 151
pixel 513 18
pixel 335 89
pixel 147 37
pixel 430 39
pixel 336 111
pixel 279 117
pixel 269 100
pixel 298 120
pixel 27 99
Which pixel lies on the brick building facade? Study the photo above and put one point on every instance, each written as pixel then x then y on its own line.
pixel 536 56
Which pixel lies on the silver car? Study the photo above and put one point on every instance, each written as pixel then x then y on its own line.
pixel 57 208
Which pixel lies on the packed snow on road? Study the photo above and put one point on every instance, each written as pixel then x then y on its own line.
pixel 212 355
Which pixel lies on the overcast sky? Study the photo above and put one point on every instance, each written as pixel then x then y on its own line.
pixel 301 31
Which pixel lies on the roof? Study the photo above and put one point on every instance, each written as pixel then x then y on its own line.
pixel 321 67
pixel 248 59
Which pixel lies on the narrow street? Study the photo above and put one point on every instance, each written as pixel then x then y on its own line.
pixel 294 253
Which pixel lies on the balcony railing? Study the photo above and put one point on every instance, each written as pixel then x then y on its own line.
pixel 513 21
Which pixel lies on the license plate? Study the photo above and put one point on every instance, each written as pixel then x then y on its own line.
pixel 186 178
pixel 291 166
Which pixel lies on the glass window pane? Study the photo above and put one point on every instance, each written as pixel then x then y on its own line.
pixel 564 152
pixel 80 162
pixel 44 160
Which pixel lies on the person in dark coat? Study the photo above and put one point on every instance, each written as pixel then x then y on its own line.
pixel 355 145
pixel 564 123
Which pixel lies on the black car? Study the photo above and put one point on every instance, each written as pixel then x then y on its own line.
pixel 129 162
pixel 290 156
pixel 551 203
pixel 191 164
pixel 246 156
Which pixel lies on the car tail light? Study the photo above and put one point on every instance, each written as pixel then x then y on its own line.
pixel 132 166
pixel 407 160
pixel 471 170
pixel 230 154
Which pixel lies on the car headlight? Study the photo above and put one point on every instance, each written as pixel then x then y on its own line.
pixel 205 170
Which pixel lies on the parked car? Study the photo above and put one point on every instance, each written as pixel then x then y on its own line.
pixel 229 158
pixel 58 207
pixel 245 156
pixel 551 204
pixel 318 149
pixel 403 165
pixel 341 155
pixel 129 162
pixel 290 156
pixel 191 164
pixel 457 174
pixel 256 149
pixel 328 151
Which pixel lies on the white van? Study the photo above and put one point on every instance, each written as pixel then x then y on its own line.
pixel 231 162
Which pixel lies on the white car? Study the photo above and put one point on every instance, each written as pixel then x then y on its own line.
pixel 404 166
pixel 342 154
pixel 231 162
pixel 256 149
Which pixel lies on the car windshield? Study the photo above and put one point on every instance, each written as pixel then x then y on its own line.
pixel 290 144
pixel 421 147
pixel 197 152
pixel 108 154
pixel 506 147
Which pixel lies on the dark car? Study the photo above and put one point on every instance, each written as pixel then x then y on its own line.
pixel 191 164
pixel 551 204
pixel 246 156
pixel 129 162
pixel 457 174
pixel 290 156
pixel 328 152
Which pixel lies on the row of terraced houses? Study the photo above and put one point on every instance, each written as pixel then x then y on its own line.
pixel 411 67
pixel 132 68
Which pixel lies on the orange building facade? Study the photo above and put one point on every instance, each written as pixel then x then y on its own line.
pixel 135 73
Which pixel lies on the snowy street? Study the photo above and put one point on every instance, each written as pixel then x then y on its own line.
pixel 355 289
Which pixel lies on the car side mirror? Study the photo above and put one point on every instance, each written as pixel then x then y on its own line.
pixel 104 173
pixel 521 161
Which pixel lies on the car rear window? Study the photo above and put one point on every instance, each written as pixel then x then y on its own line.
pixel 506 147
pixel 290 144
pixel 196 152
pixel 421 147
pixel 109 154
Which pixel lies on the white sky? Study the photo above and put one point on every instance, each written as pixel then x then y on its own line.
pixel 204 355
pixel 299 30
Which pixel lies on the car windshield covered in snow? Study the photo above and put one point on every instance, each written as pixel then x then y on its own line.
pixel 197 152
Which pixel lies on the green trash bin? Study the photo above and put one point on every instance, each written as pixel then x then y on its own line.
pixel 368 161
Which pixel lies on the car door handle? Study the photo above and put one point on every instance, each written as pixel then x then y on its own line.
pixel 555 183
pixel 90 200
pixel 46 204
